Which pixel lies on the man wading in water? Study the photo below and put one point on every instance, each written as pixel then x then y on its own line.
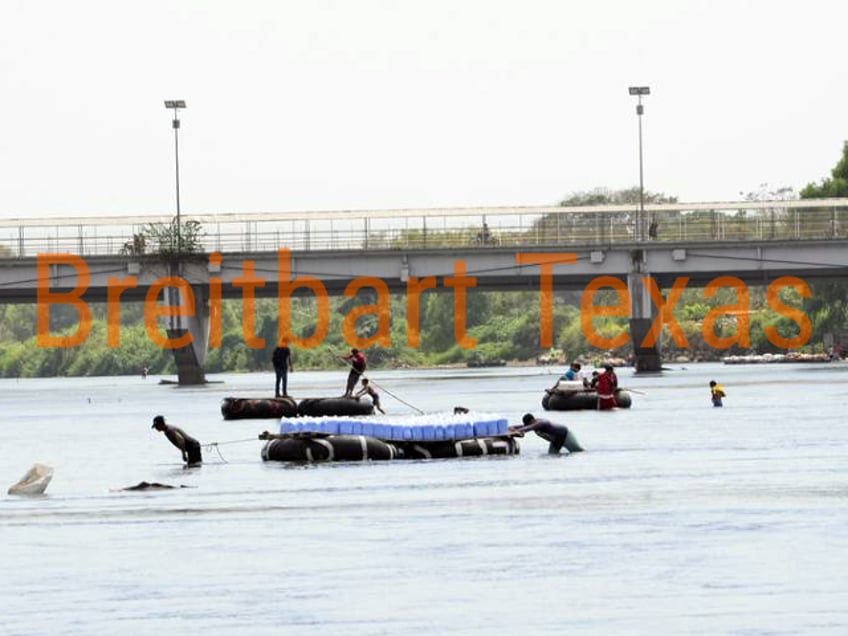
pixel 189 447
pixel 557 434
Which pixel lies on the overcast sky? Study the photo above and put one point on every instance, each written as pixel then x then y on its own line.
pixel 373 104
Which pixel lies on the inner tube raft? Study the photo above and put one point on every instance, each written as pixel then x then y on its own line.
pixel 558 400
pixel 474 447
pixel 309 448
pixel 330 406
pixel 233 408
pixel 433 436
pixel 352 448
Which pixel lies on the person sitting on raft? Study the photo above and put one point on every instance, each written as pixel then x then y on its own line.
pixel 571 374
pixel 368 390
pixel 557 434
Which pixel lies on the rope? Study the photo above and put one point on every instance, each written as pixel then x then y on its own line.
pixel 384 389
pixel 234 441
pixel 215 446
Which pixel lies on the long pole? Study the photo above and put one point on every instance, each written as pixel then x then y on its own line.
pixel 176 125
pixel 641 229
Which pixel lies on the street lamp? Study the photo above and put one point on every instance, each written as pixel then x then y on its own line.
pixel 639 91
pixel 176 105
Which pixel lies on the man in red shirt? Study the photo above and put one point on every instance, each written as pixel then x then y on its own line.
pixel 357 367
pixel 606 387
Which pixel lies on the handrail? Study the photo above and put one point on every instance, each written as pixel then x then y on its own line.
pixel 485 227
pixel 235 217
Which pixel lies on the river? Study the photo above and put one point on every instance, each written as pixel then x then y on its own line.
pixel 679 518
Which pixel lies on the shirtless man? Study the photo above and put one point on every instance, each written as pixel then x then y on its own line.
pixel 189 447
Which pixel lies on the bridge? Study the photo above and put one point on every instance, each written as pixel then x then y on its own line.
pixel 756 241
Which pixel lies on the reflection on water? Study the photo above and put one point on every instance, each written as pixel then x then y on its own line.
pixel 679 518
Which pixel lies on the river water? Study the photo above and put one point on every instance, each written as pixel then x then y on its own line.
pixel 680 518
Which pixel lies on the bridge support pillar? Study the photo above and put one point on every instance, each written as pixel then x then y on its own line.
pixel 191 358
pixel 642 314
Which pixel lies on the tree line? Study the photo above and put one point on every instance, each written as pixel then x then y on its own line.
pixel 505 325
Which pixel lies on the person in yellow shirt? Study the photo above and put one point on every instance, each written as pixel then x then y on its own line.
pixel 716 393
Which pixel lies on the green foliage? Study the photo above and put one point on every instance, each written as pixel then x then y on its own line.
pixel 827 304
pixel 834 186
pixel 505 325
pixel 605 196
pixel 92 357
pixel 167 239
pixel 567 226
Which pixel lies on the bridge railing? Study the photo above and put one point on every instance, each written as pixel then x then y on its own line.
pixel 518 227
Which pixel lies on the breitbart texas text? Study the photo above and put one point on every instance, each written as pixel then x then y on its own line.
pixel 459 283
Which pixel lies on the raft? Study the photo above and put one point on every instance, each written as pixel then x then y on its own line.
pixel 434 436
pixel 315 448
pixel 329 448
pixel 572 396
pixel 233 408
pixel 474 447
pixel 330 406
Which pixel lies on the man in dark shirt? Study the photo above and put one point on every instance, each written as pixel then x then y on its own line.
pixel 557 434
pixel 282 361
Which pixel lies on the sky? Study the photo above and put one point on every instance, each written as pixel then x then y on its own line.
pixel 318 105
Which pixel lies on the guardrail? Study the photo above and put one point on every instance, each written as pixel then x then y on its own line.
pixel 677 223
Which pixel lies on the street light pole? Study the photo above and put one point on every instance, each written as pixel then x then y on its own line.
pixel 176 105
pixel 640 218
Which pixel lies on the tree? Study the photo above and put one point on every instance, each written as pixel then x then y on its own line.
pixel 168 239
pixel 827 302
pixel 772 218
pixel 834 186
pixel 588 225
pixel 605 196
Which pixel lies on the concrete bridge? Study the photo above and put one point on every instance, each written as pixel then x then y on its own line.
pixel 501 248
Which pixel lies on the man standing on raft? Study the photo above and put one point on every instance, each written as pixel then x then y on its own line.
pixel 357 364
pixel 282 361
pixel 557 434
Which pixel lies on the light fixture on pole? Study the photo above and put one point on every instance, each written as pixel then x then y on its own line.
pixel 176 105
pixel 640 217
